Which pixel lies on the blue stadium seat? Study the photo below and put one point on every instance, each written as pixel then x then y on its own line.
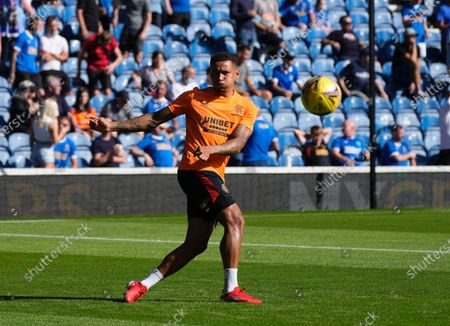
pixel 18 140
pixel 334 16
pixel 74 27
pixel 383 119
pixel 307 120
pixel 174 49
pixel 254 67
pixel 383 17
pixel 414 137
pixel 383 36
pixel 228 44
pixel 387 69
pixel 196 49
pixel 70 67
pixel 382 104
pixel 334 120
pixel 20 160
pixel 154 32
pixel 291 32
pixel 260 102
pixel 266 115
pixel 178 141
pixel 322 65
pixel 359 118
pixel 117 31
pixel 69 14
pixel 174 32
pixel 129 140
pixel 130 162
pixel 80 140
pixel 121 83
pixel 280 103
pixel 272 159
pixel 431 105
pixel 127 66
pixel 200 64
pixel 223 29
pixel 283 120
pixel 150 46
pixel 401 104
pixel 4 117
pixel 70 100
pixel 432 138
pixel 298 106
pixel 4 157
pixel 354 103
pixel 198 31
pixel 219 14
pixel 4 85
pixel 381 4
pixel 407 119
pixel 3 142
pixel 303 64
pixel 360 18
pixel 199 13
pixel 5 99
pixel 99 101
pixel 428 122
pixel 74 46
pixel 362 33
pixel 352 4
pixel 437 69
pixel 286 139
pixel 291 156
pixel 316 34
pixel 364 137
pixel 435 36
pixel 421 154
pixel 383 137
pixel 298 48
pixel 335 4
pixel 340 65
pixel 433 154
pixel 45 11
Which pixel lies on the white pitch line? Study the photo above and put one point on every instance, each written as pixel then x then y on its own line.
pixel 32 221
pixel 217 243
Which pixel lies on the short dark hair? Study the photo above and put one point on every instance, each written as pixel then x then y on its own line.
pixel 122 95
pixel 242 48
pixel 223 56
pixel 341 20
pixel 396 127
pixel 157 53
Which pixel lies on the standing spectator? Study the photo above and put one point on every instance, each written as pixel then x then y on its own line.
pixel 186 83
pixel 138 19
pixel 81 111
pixel 147 76
pixel 397 151
pixel 45 134
pixel 243 54
pixel 243 12
pixel 354 78
pixel 55 51
pixel 444 117
pixel 23 105
pixel 415 16
pixel 405 74
pixel 107 150
pixel 98 48
pixel 256 149
pixel 315 149
pixel 344 41
pixel 443 22
pixel 321 16
pixel 268 23
pixel 178 12
pixel 156 8
pixel 160 101
pixel 349 150
pixel 284 76
pixel 118 108
pixel 88 17
pixel 53 91
pixel 297 13
pixel 24 60
pixel 65 150
pixel 156 149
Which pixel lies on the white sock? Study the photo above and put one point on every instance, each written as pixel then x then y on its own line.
pixel 152 279
pixel 231 280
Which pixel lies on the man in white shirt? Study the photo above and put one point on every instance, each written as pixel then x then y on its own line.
pixel 444 117
pixel 186 83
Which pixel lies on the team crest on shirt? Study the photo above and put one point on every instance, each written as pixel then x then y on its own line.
pixel 238 110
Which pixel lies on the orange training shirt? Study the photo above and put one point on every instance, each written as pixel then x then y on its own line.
pixel 210 120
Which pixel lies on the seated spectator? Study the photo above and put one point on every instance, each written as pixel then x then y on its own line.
pixel 349 150
pixel 444 117
pixel 178 12
pixel 284 76
pixel 297 13
pixel 443 23
pixel 243 12
pixel 160 101
pixel 53 91
pixel 256 149
pixel 118 108
pixel 24 59
pixel 65 150
pixel 24 104
pixel 396 151
pixel 148 76
pixel 55 51
pixel 321 13
pixel 315 149
pixel 208 82
pixel 354 78
pixel 107 151
pixel 344 41
pixel 156 148
pixel 268 24
pixel 45 134
pixel 243 54
pixel 405 76
pixel 81 111
pixel 415 16
pixel 186 83
pixel 97 49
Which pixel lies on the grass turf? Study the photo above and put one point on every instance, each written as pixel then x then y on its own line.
pixel 342 277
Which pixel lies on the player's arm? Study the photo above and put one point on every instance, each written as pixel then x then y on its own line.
pixel 143 123
pixel 233 145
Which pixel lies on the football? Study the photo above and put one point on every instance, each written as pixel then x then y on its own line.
pixel 321 95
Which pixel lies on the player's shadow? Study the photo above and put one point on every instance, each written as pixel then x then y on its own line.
pixel 29 297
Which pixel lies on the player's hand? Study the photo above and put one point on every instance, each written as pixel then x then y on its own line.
pixel 99 124
pixel 202 152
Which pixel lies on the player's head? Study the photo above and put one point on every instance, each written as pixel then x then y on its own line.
pixel 122 98
pixel 224 72
pixel 243 53
pixel 316 135
pixel 348 129
pixel 346 23
pixel 398 132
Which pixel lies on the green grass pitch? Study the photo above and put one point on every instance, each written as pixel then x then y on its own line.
pixel 310 268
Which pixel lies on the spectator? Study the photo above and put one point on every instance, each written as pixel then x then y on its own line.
pixel 415 16
pixel 243 54
pixel 284 76
pixel 344 41
pixel 349 150
pixel 54 89
pixel 156 149
pixel 208 82
pixel 118 108
pixel 354 78
pixel 107 151
pixel 98 48
pixel 24 59
pixel 160 101
pixel 65 150
pixel 88 17
pixel 178 12
pixel 45 134
pixel 148 76
pixel 23 105
pixel 81 111
pixel 243 12
pixel 138 19
pixel 186 83
pixel 268 24
pixel 321 13
pixel 256 149
pixel 156 8
pixel 444 117
pixel 397 151
pixel 315 149
pixel 55 51
pixel 297 13
pixel 443 22
pixel 405 74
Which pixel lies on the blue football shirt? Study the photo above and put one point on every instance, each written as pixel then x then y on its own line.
pixel 64 151
pixel 351 148
pixel 28 46
pixel 258 144
pixel 159 148
pixel 392 148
